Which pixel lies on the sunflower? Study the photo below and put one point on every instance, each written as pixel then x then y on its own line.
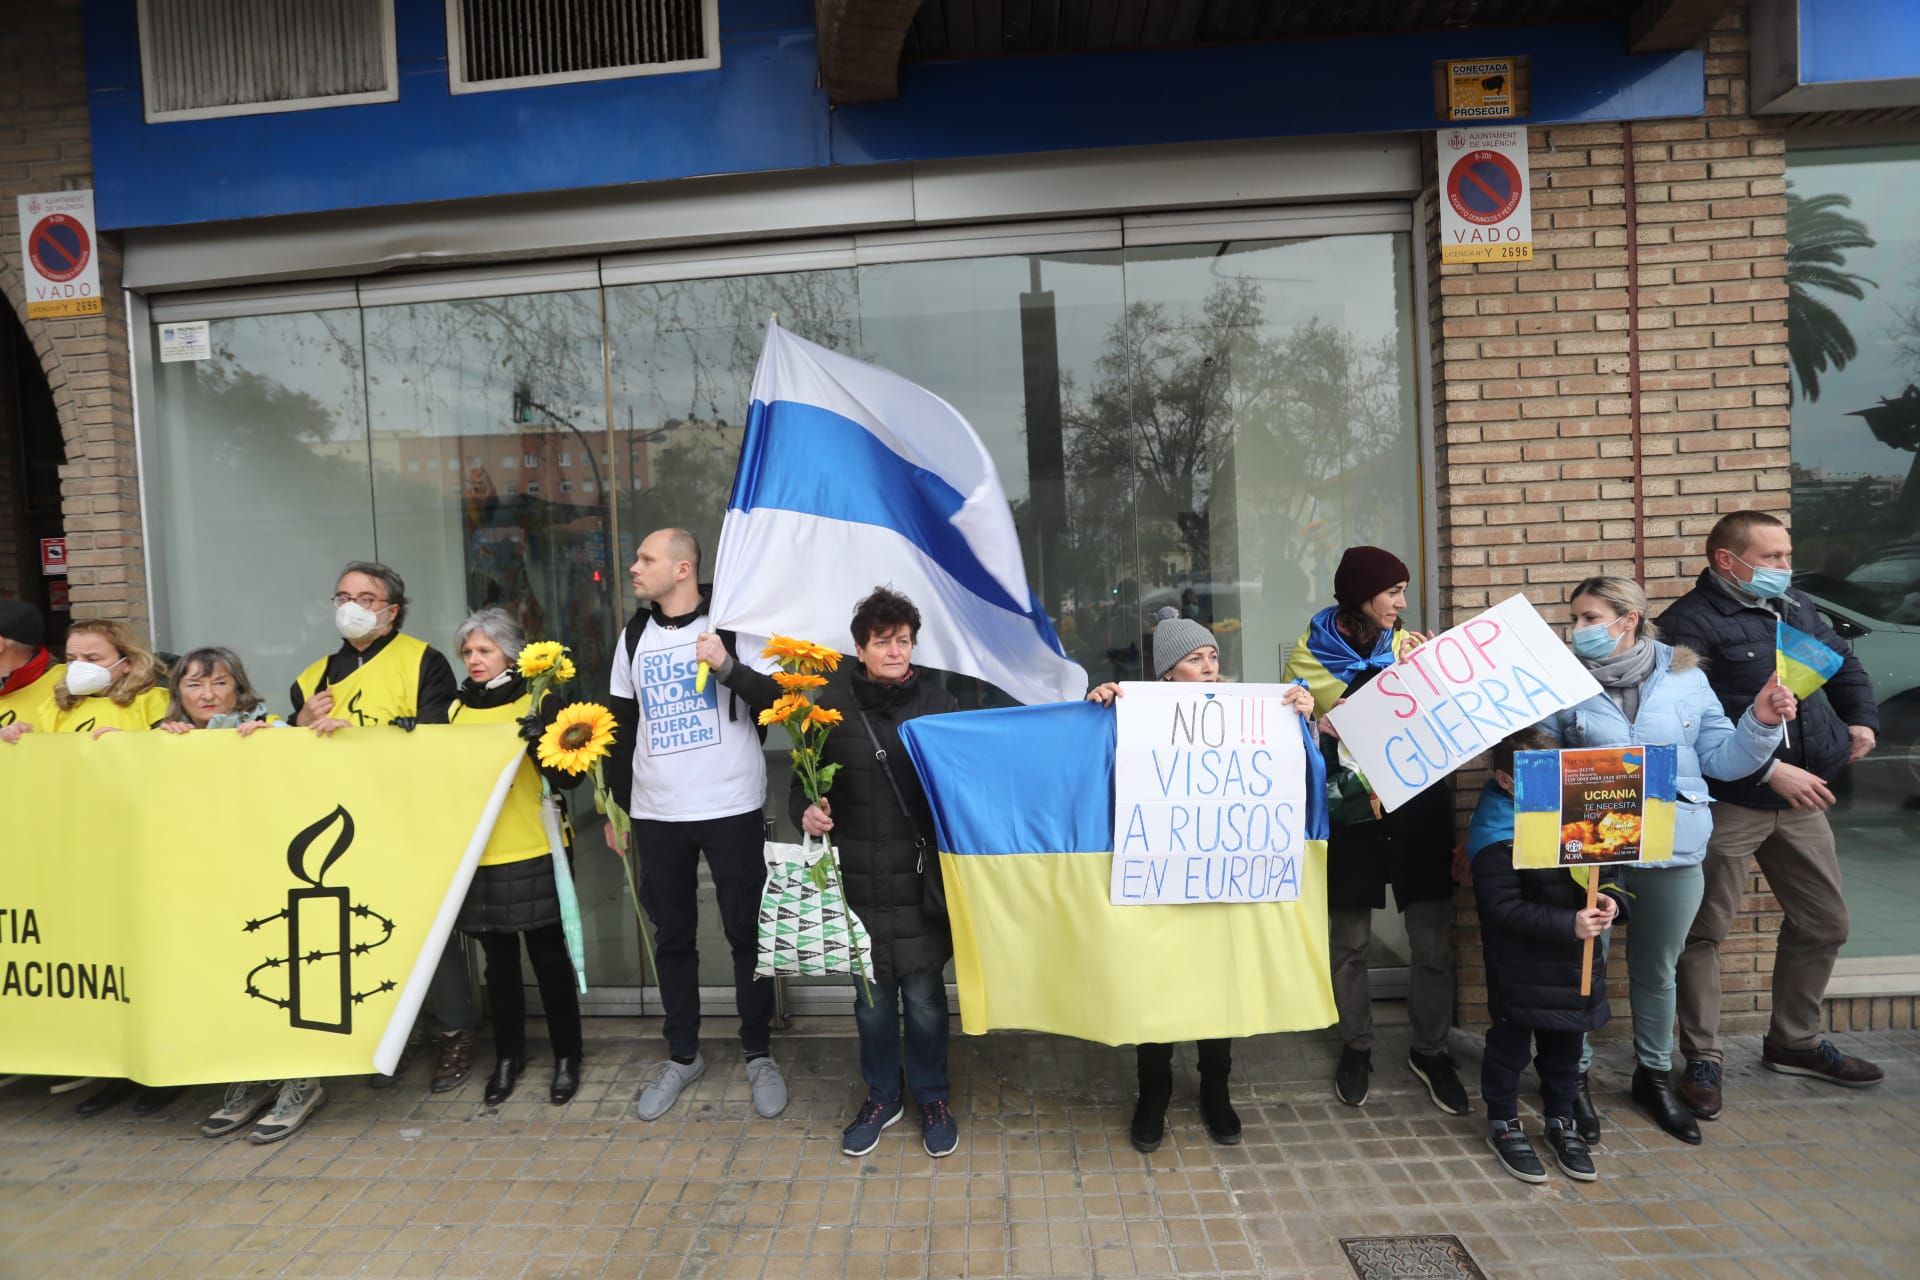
pixel 793 681
pixel 801 655
pixel 563 671
pixel 540 657
pixel 783 709
pixel 785 649
pixel 578 738
pixel 825 716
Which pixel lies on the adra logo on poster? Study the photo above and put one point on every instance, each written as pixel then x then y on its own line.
pixel 1486 199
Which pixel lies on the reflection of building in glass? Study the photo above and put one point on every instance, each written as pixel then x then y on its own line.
pixel 546 461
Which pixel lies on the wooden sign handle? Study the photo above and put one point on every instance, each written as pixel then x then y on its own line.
pixel 1586 953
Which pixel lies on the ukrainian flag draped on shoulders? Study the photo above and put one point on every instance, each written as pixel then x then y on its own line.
pixel 1328 664
pixel 1023 805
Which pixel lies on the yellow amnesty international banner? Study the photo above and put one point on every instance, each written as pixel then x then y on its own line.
pixel 206 908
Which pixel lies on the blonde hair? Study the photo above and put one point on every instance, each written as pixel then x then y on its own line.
pixel 142 671
pixel 1623 596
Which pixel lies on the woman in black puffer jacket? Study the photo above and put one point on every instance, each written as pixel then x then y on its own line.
pixel 891 870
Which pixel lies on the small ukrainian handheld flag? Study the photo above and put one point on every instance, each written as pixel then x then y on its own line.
pixel 1802 662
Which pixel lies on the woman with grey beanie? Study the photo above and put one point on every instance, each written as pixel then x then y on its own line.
pixel 1184 650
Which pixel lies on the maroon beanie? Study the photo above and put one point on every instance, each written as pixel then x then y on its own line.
pixel 1364 573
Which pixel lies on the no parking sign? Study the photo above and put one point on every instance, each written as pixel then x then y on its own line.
pixel 58 255
pixel 1486 198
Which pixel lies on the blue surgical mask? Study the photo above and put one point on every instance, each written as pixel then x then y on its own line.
pixel 1768 583
pixel 1595 642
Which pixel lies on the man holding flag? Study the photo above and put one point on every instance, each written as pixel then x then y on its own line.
pixel 1746 619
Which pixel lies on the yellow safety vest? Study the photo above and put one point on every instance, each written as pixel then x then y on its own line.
pixel 518 834
pixel 386 686
pixel 34 704
pixel 102 712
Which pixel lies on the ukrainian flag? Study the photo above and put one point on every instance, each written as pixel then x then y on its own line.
pixel 1023 802
pixel 1537 801
pixel 1803 663
pixel 1328 665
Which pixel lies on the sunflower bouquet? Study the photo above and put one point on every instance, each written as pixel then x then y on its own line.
pixel 544 664
pixel 577 742
pixel 803 670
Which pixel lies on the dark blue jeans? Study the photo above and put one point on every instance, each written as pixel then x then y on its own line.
pixel 925 996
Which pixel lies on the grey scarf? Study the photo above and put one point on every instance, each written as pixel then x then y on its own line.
pixel 1622 674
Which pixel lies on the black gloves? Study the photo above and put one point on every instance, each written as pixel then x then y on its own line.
pixel 403 723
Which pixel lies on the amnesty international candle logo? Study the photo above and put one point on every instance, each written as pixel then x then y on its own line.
pixel 320 947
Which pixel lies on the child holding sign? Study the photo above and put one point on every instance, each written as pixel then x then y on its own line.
pixel 1532 927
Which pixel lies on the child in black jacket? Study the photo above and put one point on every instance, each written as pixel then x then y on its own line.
pixel 1532 927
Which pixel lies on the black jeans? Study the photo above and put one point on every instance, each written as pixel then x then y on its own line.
pixel 669 861
pixel 1155 1061
pixel 1556 1056
pixel 553 970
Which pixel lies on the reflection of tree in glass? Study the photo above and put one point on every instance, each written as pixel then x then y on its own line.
pixel 688 347
pixel 1818 239
pixel 270 430
pixel 1239 436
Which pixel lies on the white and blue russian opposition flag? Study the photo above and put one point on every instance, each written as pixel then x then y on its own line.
pixel 851 478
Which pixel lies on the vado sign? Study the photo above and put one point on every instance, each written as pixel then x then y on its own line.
pixel 1209 794
pixel 1486 204
pixel 58 255
pixel 1455 696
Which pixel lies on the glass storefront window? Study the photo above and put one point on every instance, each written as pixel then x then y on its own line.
pixel 1853 335
pixel 1201 426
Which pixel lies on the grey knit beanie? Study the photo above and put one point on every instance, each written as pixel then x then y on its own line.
pixel 1174 638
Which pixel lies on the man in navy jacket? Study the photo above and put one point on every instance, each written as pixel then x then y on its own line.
pixel 1777 816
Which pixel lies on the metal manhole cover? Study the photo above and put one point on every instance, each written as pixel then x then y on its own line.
pixel 1411 1258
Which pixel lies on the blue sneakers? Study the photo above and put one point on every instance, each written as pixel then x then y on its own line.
pixel 940 1132
pixel 863 1135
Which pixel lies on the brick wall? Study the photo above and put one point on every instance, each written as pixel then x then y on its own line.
pixel 1533 367
pixel 44 146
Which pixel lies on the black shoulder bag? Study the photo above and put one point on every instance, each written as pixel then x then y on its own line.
pixel 933 889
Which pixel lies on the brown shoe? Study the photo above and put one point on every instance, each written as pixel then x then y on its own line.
pixel 455 1063
pixel 1700 1088
pixel 1822 1062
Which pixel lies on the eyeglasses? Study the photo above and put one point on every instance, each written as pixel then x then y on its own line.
pixel 365 601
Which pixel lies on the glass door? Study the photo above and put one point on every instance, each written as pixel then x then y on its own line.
pixel 1200 425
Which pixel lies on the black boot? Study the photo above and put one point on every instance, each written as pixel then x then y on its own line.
pixel 147 1100
pixel 566 1079
pixel 1653 1091
pixel 1223 1123
pixel 506 1074
pixel 1586 1121
pixel 108 1096
pixel 1150 1113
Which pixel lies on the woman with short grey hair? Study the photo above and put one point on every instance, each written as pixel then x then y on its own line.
pixel 514 894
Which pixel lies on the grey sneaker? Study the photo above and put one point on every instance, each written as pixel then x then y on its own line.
pixel 769 1087
pixel 669 1078
pixel 243 1102
pixel 298 1100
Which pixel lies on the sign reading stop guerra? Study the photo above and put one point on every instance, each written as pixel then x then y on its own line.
pixel 1486 197
pixel 59 255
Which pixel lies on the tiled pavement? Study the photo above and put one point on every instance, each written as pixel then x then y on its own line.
pixel 1799 1179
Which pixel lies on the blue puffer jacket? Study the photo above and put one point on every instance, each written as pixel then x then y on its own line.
pixel 1677 707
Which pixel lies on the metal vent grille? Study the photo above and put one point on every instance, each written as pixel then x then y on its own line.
pixel 236 57
pixel 505 43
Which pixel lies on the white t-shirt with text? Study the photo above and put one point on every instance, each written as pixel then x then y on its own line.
pixel 691 763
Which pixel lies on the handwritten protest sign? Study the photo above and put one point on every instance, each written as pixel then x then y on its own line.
pixel 1209 794
pixel 1455 696
pixel 1594 805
